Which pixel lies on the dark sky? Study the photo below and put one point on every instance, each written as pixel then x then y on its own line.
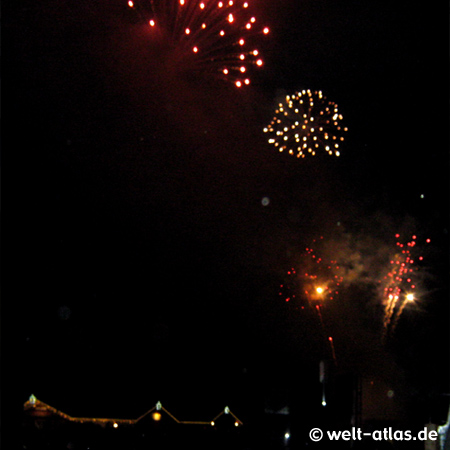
pixel 136 230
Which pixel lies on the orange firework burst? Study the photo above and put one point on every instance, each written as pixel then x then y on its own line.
pixel 315 278
pixel 305 123
pixel 209 36
pixel 399 283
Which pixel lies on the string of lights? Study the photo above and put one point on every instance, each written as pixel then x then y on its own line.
pixel 41 409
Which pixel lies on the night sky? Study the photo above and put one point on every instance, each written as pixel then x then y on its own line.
pixel 144 263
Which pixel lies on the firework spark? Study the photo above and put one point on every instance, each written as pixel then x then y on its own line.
pixel 305 123
pixel 208 36
pixel 399 283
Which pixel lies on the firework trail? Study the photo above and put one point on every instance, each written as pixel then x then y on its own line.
pixel 209 36
pixel 399 283
pixel 333 353
pixel 324 330
pixel 304 123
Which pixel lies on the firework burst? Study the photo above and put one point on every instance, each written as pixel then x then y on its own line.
pixel 315 278
pixel 207 36
pixel 400 282
pixel 313 281
pixel 306 123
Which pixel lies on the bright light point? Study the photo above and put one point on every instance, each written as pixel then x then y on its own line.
pixel 115 424
pixel 259 62
pixel 255 52
pixel 265 201
pixel 324 403
pixel 245 5
pixel 242 69
pixel 151 23
pixel 242 57
pixel 287 435
pixel 247 81
pixel 202 5
pixel 238 83
pixel 187 31
pixel 266 30
pixel 319 290
pixel 156 416
pixel 225 71
pixel 236 424
pixel 212 423
pixel 195 49
pixel 130 4
pixel 241 42
pixel 410 297
pixel 230 18
pixel 182 2
pixel 422 196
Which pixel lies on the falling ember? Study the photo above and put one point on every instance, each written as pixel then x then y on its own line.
pixel 205 36
pixel 305 123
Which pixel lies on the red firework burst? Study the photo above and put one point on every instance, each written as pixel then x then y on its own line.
pixel 400 282
pixel 206 36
